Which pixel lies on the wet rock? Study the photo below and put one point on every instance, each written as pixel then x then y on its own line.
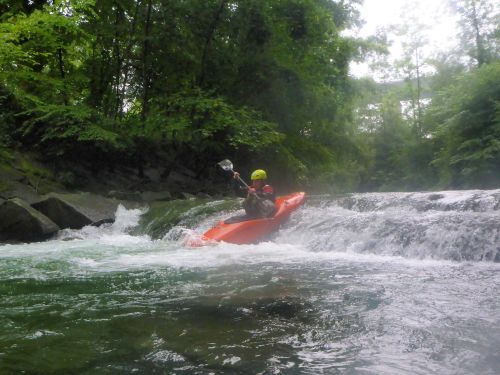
pixel 435 197
pixel 62 213
pixel 151 196
pixel 184 195
pixel 21 222
pixel 79 209
pixel 203 195
pixel 17 189
pixel 125 195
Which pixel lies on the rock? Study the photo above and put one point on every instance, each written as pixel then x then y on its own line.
pixel 203 195
pixel 184 195
pixel 21 222
pixel 183 180
pixel 79 209
pixel 19 190
pixel 151 196
pixel 7 173
pixel 154 175
pixel 181 169
pixel 435 197
pixel 62 213
pixel 124 195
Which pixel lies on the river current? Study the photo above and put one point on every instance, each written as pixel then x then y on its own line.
pixel 386 283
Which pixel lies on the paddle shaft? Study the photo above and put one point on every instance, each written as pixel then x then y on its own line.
pixel 241 180
pixel 227 165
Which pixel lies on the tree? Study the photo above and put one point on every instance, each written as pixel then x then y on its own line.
pixel 479 29
pixel 468 132
pixel 196 78
pixel 412 67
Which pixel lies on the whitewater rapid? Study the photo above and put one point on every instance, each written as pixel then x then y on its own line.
pixel 386 283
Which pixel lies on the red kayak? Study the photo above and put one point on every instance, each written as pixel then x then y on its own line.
pixel 240 231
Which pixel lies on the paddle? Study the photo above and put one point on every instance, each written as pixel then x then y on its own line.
pixel 227 166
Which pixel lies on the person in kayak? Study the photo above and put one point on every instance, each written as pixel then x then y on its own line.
pixel 260 200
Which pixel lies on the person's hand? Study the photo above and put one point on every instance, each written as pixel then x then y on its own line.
pixel 236 175
pixel 252 190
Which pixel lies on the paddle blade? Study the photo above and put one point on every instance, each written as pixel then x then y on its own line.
pixel 226 165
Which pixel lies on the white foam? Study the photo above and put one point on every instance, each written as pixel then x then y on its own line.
pixel 110 234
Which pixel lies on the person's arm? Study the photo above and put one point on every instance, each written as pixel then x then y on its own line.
pixel 241 188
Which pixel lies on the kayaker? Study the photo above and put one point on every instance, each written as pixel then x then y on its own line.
pixel 260 198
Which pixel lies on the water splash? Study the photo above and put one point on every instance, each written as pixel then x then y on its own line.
pixel 114 233
pixel 447 225
pixel 451 225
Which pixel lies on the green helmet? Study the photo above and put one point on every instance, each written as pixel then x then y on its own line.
pixel 259 174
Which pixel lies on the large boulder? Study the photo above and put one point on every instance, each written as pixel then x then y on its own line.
pixel 76 210
pixel 17 189
pixel 62 213
pixel 21 222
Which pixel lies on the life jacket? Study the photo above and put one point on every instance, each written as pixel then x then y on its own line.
pixel 266 192
pixel 261 208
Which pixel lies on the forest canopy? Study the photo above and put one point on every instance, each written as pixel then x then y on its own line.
pixel 266 83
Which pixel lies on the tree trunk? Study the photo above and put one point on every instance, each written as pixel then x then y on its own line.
pixel 145 67
pixel 210 34
pixel 63 75
pixel 118 62
pixel 419 93
pixel 126 68
pixel 480 53
pixel 146 81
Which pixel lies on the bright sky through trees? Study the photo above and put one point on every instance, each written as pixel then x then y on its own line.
pixel 440 20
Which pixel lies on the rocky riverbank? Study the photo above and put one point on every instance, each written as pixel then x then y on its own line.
pixel 36 201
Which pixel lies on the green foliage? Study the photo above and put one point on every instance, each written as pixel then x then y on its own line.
pixel 6 156
pixel 396 156
pixel 43 85
pixel 205 123
pixel 162 81
pixel 479 30
pixel 468 131
pixel 40 54
pixel 435 130
pixel 66 130
pixel 300 162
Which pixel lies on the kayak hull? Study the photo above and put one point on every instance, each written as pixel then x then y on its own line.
pixel 251 231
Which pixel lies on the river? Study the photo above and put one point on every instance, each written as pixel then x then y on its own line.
pixel 380 283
